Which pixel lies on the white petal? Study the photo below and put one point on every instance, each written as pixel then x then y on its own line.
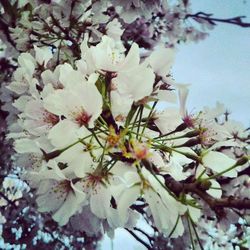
pixel 137 82
pixel 69 76
pixel 18 87
pixel 168 120
pixel 26 145
pixel 27 62
pixel 43 55
pixel 127 198
pixel 63 134
pixel 132 59
pixel 100 201
pixel 161 60
pixel 217 193
pixel 69 208
pixel 219 162
pixel 79 162
pixel 91 100
pixel 195 213
pixel 21 102
pixel 167 96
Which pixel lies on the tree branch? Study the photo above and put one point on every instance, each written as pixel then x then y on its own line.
pixel 139 239
pixel 200 190
pixel 212 20
pixel 12 203
pixel 5 29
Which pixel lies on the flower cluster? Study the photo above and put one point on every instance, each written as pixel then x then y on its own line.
pixel 90 135
pixel 101 130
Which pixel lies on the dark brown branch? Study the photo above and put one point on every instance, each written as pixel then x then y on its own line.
pixel 200 190
pixel 12 203
pixel 65 31
pixel 151 239
pixel 212 20
pixel 139 239
pixel 5 29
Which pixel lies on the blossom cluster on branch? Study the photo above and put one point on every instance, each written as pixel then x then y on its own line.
pixel 101 130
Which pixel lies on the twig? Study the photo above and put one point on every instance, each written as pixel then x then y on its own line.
pixel 139 239
pixel 212 20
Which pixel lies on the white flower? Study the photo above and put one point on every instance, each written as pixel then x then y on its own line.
pixel 164 208
pixel 130 80
pixel 137 82
pixel 81 105
pixel 24 74
pixel 58 195
pixel 99 190
pixel 37 119
pixel 21 81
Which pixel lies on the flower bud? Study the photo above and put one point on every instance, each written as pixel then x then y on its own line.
pixel 190 143
pixel 205 185
pixel 243 160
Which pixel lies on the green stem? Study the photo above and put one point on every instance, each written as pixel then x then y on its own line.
pixel 220 173
pixel 176 223
pixel 190 232
pixel 195 231
pixel 139 125
pixel 150 113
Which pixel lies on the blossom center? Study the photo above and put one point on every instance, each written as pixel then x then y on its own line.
pixel 139 150
pixel 50 118
pixel 83 118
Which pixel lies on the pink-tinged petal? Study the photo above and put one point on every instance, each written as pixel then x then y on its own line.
pixel 91 101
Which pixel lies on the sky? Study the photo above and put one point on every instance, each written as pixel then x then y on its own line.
pixel 218 69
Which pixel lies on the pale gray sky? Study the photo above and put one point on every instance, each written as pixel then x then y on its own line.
pixel 219 67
